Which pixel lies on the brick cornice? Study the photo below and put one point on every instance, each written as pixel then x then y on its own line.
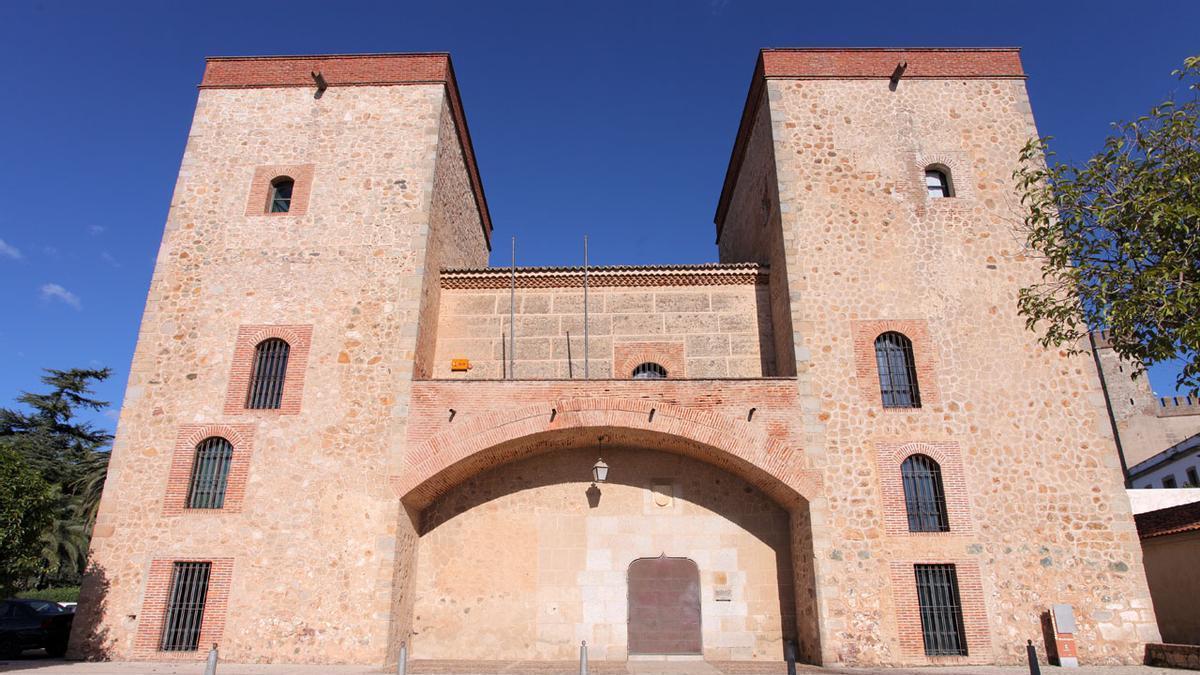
pixel 857 64
pixel 354 70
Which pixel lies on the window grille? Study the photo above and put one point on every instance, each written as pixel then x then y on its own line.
pixel 937 184
pixel 941 610
pixel 924 498
pixel 649 371
pixel 210 472
pixel 270 369
pixel 185 607
pixel 281 194
pixel 897 371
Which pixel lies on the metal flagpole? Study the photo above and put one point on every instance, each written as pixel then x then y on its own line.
pixel 586 374
pixel 512 314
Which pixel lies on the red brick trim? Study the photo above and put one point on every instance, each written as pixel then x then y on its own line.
pixel 841 63
pixel 241 436
pixel 258 202
pixel 484 441
pixel 889 457
pixel 630 355
pixel 878 63
pixel 867 371
pixel 154 608
pixel 299 339
pixel 350 70
pixel 908 613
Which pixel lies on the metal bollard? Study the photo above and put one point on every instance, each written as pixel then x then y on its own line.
pixel 402 662
pixel 1034 669
pixel 210 667
pixel 583 658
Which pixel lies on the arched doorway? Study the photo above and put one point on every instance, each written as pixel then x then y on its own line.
pixel 518 559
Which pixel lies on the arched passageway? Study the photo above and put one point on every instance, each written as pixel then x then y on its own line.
pixel 518 557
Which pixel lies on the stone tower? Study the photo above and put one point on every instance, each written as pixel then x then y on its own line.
pixel 828 184
pixel 385 192
pixel 419 467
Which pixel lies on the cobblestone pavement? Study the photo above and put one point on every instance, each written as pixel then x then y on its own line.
pixel 45 666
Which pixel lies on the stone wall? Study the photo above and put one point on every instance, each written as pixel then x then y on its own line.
pixel 312 540
pixel 705 331
pixel 525 561
pixel 1145 425
pixel 1041 476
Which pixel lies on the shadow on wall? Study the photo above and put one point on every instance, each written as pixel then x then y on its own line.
pixel 90 640
pixel 703 488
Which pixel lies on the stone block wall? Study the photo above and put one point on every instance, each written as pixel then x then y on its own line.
pixel 525 560
pixel 691 327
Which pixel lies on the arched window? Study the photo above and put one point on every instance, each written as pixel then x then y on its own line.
pixel 210 472
pixel 924 498
pixel 649 371
pixel 897 371
pixel 281 194
pixel 937 182
pixel 270 369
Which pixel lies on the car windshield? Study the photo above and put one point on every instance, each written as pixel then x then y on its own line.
pixel 44 607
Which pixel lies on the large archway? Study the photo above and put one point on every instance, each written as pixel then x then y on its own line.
pixel 512 555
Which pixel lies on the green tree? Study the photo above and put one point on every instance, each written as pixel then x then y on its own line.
pixel 27 506
pixel 1119 238
pixel 70 456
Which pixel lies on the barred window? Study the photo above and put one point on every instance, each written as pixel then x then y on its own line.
pixel 937 183
pixel 281 194
pixel 649 371
pixel 923 496
pixel 267 378
pixel 941 610
pixel 185 607
pixel 897 371
pixel 210 472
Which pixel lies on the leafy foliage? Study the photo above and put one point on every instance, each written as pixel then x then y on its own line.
pixel 27 505
pixel 70 459
pixel 54 594
pixel 1119 238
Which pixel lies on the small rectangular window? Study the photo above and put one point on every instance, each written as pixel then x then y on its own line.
pixel 185 607
pixel 941 610
pixel 1169 481
pixel 1193 478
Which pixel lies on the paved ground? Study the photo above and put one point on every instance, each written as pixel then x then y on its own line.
pixel 35 665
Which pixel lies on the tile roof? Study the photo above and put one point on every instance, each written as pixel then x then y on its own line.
pixel 1172 520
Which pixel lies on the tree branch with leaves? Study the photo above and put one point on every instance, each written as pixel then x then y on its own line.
pixel 1119 238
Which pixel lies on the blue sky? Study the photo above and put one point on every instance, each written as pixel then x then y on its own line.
pixel 613 119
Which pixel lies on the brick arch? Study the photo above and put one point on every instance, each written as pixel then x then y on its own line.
pixel 889 457
pixel 238 435
pixel 630 355
pixel 489 440
pixel 953 162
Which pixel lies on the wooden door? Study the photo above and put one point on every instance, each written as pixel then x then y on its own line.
pixel 664 606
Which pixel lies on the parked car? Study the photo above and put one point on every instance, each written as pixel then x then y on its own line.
pixel 33 624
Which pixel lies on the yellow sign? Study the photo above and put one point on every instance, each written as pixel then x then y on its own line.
pixel 460 365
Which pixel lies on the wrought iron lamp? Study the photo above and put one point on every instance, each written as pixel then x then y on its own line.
pixel 599 469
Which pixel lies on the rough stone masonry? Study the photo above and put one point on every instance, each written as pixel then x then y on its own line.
pixel 842 427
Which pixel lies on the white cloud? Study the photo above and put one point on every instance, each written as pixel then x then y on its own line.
pixel 108 258
pixel 9 250
pixel 56 292
pixel 96 230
